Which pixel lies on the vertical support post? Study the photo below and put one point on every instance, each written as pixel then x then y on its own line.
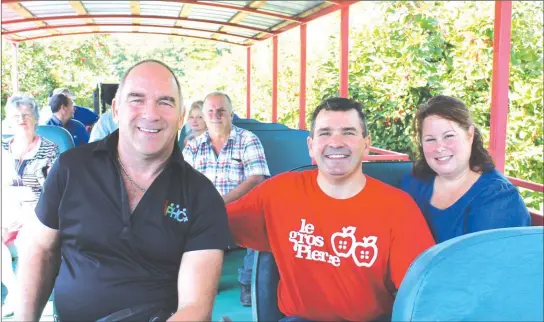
pixel 248 83
pixel 344 51
pixel 500 82
pixel 302 83
pixel 275 79
pixel 14 68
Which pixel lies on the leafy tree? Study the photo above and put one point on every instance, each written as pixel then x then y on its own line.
pixel 415 50
pixel 76 63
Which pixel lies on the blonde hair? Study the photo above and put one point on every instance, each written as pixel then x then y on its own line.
pixel 195 105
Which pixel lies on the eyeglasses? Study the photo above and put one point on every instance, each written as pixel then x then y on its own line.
pixel 22 116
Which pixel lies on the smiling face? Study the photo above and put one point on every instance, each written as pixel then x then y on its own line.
pixel 446 145
pixel 218 114
pixel 196 121
pixel 149 113
pixel 338 145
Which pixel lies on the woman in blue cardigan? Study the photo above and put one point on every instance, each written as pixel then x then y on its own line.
pixel 454 181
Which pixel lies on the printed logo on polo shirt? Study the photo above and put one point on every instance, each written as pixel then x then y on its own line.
pixel 306 245
pixel 175 212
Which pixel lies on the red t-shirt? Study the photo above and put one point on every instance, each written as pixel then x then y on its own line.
pixel 338 259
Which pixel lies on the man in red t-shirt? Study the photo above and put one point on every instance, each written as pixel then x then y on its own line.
pixel 342 241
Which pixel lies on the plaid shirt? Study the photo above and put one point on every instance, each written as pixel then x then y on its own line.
pixel 241 156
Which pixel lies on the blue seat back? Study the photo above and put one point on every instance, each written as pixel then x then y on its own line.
pixel 262 126
pixel 246 124
pixel 58 135
pixel 237 121
pixel 284 149
pixel 182 136
pixel 265 278
pixel 493 275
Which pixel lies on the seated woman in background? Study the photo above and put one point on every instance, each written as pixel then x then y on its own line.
pixel 196 121
pixel 26 158
pixel 454 181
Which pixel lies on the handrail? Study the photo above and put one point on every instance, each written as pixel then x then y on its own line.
pixel 537 217
pixel 537 187
pixel 386 155
pixel 383 157
pixel 385 152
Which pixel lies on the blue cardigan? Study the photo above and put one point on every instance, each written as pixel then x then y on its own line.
pixel 492 202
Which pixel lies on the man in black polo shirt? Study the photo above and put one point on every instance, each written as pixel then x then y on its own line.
pixel 130 217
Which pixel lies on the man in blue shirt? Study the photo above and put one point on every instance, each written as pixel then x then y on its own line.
pixel 63 110
pixel 82 114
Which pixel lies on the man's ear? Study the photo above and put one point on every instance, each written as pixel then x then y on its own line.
pixel 367 142
pixel 309 142
pixel 115 111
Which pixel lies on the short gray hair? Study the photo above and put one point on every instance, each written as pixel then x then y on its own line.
pixel 15 102
pixel 217 93
pixel 125 75
pixel 63 90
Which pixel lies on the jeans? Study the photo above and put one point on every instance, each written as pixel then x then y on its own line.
pixel 244 273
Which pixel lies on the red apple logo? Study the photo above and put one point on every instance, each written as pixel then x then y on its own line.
pixel 342 243
pixel 364 254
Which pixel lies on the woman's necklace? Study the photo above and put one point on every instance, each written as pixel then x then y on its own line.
pixel 129 178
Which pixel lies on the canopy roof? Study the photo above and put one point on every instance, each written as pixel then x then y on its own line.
pixel 235 22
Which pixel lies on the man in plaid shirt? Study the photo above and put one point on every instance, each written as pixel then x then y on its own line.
pixel 233 159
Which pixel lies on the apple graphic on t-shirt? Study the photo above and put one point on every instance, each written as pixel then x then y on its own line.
pixel 365 253
pixel 342 242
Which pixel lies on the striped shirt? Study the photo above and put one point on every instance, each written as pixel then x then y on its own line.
pixel 242 156
pixel 32 170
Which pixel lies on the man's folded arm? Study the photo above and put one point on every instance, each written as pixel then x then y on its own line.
pixel 247 219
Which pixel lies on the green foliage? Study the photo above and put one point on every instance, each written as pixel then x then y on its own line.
pixel 75 63
pixel 415 50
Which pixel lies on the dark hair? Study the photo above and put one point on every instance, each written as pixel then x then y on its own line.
pixel 343 105
pixel 56 101
pixel 454 110
pixel 124 78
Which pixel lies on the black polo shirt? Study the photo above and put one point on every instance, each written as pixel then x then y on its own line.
pixel 112 259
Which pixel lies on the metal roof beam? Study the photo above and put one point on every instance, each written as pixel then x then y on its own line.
pixel 241 15
pixel 312 14
pixel 23 12
pixel 237 8
pixel 183 13
pixel 79 8
pixel 12 32
pixel 211 4
pixel 125 32
pixel 135 11
pixel 52 18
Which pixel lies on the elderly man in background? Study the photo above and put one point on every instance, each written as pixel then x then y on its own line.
pixel 233 159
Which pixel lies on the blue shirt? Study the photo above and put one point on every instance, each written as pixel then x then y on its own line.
pixel 104 127
pixel 492 202
pixel 85 115
pixel 76 128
